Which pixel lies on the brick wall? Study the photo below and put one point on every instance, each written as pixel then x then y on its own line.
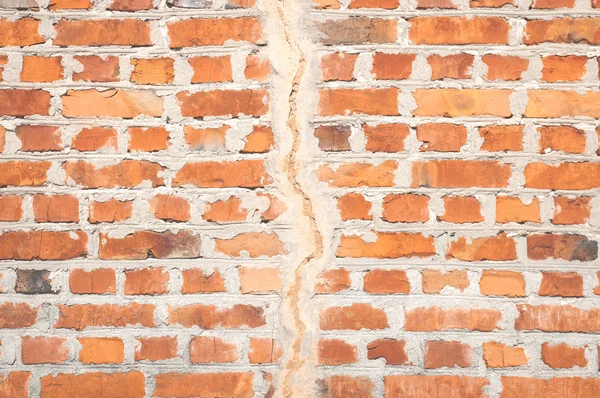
pixel 370 198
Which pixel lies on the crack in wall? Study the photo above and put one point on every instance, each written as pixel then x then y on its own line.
pixel 297 375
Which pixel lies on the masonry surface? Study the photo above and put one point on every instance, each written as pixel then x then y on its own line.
pixel 278 198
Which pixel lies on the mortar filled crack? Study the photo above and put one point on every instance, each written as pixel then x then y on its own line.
pixel 295 361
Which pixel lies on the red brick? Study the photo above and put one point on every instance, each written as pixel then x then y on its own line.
pixel 441 137
pixel 170 208
pixel 96 281
pixel 501 138
pixel 336 352
pixel 453 66
pixel 11 208
pixel 21 32
pixel 222 384
pixel 143 244
pixel 568 68
pixel 346 386
pixel 39 138
pixel 224 102
pixel 39 69
pixel 421 386
pixel 571 176
pixel 460 174
pixel 386 282
pixel 568 211
pixel 387 245
pixel 563 356
pixel 504 67
pixel 14 385
pixel 512 209
pixel 349 101
pixel 148 281
pixel 354 206
pixel 198 281
pixel 461 210
pixel 333 281
pixel 386 137
pixel 55 208
pixel 94 138
pixel 97 69
pixel 405 208
pixel 354 317
pixel 122 103
pixel 103 350
pixel 82 316
pixel 439 354
pixel 452 102
pixel 359 174
pixel 493 248
pixel 458 30
pixel 557 318
pixel 428 319
pixel 502 283
pixel 561 138
pixel 392 351
pixel 567 284
pixel 212 350
pixel 434 281
pixel 19 103
pixel 338 66
pixel 102 32
pixel 148 139
pixel 358 30
pixel 526 387
pixel 43 245
pixel 213 317
pixel 562 30
pixel 17 315
pixel 96 384
pixel 112 210
pixel 562 103
pixel 211 69
pixel 37 350
pixel 392 66
pixel 333 138
pixel 255 244
pixel 264 350
pixel 563 247
pixel 125 174
pixel 155 348
pixel 259 280
pixel 152 71
pixel 498 355
pixel 206 32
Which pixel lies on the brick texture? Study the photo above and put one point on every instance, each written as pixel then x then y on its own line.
pixel 382 198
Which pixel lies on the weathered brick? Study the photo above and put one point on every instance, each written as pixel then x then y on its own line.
pixel 43 245
pixel 102 32
pixel 82 316
pixel 458 30
pixel 431 385
pixel 146 281
pixel 392 351
pixel 439 354
pixel 121 103
pixel 213 317
pixel 494 248
pixel 386 282
pixel 451 102
pixel 387 245
pixel 38 349
pixel 212 350
pixel 359 174
pixel 563 356
pixel 207 32
pixel 94 384
pixel 498 355
pixel 96 281
pixel 349 101
pixel 104 350
pixel 336 352
pixel 428 319
pixel 125 174
pixel 460 174
pixel 357 316
pixel 222 384
pixel 155 348
pixel 564 247
pixel 253 244
pixel 143 244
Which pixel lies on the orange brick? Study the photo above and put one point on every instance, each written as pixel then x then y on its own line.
pixel 41 69
pixel 461 209
pixel 211 69
pixel 102 32
pixel 198 281
pixel 502 283
pixel 387 245
pixel 567 284
pixel 213 317
pixel 96 384
pixel 333 281
pixel 344 101
pixel 221 384
pixel 11 208
pixel 224 102
pixel 155 348
pixel 36 138
pixel 259 280
pixel 386 137
pixel 569 211
pixel 386 282
pixel 498 355
pixel 264 350
pixel 257 68
pixel 562 30
pixel 336 352
pixel 439 354
pixel 354 206
pixel 96 281
pixel 563 356
pixel 451 102
pixel 454 66
pixel 512 209
pixel 338 66
pixel 101 350
pixel 354 317
pixel 405 208
pixel 55 208
pixel 441 137
pixel 359 174
pixel 112 210
pixel 205 32
pixel 458 30
pixel 568 68
pixel 148 281
pixel 97 69
pixel 94 138
pixel 152 71
pixel 434 280
pixel 170 208
pixel 460 174
pixel 111 103
pixel 501 138
pixel 392 66
pixel 212 350
pixel 37 350
pixel 561 138
pixel 504 67
pixel 494 248
pixel 428 319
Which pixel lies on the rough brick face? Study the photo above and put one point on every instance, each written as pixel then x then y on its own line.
pixel 323 199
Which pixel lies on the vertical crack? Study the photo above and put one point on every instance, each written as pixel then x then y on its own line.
pixel 295 379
